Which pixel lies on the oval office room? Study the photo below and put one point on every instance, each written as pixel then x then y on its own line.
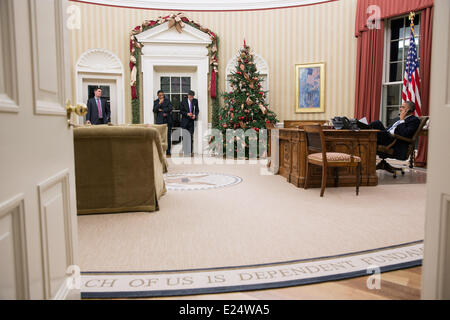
pixel 224 150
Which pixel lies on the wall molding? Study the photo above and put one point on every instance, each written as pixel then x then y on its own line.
pixel 16 208
pixel 99 61
pixel 63 179
pixel 186 5
pixel 9 97
pixel 49 98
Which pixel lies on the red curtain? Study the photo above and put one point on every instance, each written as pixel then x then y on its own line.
pixel 369 64
pixel 426 30
pixel 389 9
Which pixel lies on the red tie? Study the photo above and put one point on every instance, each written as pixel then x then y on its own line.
pixel 99 107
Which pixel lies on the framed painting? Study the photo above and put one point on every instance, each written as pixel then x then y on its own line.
pixel 310 88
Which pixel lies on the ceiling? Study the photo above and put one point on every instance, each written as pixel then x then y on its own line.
pixel 206 5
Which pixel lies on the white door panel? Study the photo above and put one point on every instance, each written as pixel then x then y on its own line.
pixel 8 70
pixel 47 30
pixel 36 148
pixel 13 283
pixel 436 268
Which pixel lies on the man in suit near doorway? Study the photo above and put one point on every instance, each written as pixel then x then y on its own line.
pixel 162 107
pixel 99 110
pixel 189 114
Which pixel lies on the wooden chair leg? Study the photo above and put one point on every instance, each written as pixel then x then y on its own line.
pixel 336 177
pixel 358 178
pixel 324 180
pixel 306 176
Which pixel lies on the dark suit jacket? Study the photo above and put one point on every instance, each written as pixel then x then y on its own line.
pixel 186 121
pixel 92 114
pixel 407 130
pixel 166 108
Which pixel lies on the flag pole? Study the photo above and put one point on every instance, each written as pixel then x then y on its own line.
pixel 412 15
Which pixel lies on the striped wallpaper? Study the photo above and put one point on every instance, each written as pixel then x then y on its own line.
pixel 283 37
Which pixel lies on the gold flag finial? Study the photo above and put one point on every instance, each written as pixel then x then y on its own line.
pixel 412 15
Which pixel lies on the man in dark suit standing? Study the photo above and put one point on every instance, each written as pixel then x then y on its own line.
pixel 99 111
pixel 162 107
pixel 189 114
pixel 406 125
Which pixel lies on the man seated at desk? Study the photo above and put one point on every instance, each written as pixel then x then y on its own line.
pixel 405 126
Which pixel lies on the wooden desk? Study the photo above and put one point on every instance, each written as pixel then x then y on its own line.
pixel 292 156
pixel 301 123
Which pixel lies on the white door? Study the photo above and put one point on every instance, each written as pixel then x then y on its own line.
pixel 109 92
pixel 37 184
pixel 436 268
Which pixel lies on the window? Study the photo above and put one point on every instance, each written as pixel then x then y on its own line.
pixel 105 92
pixel 397 37
pixel 175 89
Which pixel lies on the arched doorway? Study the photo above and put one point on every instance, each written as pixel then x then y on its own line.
pixel 102 68
pixel 169 54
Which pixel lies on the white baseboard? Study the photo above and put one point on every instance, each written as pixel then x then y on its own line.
pixel 64 293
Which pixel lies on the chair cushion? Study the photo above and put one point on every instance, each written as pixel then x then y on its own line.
pixel 334 157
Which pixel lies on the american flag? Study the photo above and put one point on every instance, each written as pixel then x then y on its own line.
pixel 411 80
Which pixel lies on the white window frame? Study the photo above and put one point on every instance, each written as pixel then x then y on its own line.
pixel 175 75
pixel 386 65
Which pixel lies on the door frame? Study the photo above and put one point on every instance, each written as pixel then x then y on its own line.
pixel 436 262
pixel 101 64
pixel 113 96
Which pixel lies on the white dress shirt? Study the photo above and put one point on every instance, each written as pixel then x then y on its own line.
pixel 391 130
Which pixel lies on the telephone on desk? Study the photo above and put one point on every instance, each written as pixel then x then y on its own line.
pixel 340 123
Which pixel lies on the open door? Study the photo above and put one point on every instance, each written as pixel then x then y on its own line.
pixel 436 266
pixel 37 183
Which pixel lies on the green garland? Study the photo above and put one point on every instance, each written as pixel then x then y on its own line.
pixel 176 20
pixel 136 103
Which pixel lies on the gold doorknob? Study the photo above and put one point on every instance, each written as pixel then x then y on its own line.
pixel 80 109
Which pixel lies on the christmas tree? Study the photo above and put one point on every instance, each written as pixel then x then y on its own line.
pixel 245 106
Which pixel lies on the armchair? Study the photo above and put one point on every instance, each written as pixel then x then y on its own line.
pixel 385 152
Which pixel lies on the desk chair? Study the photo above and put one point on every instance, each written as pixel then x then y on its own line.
pixel 385 152
pixel 317 155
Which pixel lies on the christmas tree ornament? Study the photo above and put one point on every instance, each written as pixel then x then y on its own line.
pixel 249 101
pixel 242 67
pixel 262 108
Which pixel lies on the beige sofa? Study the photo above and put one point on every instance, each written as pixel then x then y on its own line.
pixel 118 169
pixel 162 129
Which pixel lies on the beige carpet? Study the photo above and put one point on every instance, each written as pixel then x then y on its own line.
pixel 263 219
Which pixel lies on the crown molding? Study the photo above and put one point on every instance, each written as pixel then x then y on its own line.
pixel 206 5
